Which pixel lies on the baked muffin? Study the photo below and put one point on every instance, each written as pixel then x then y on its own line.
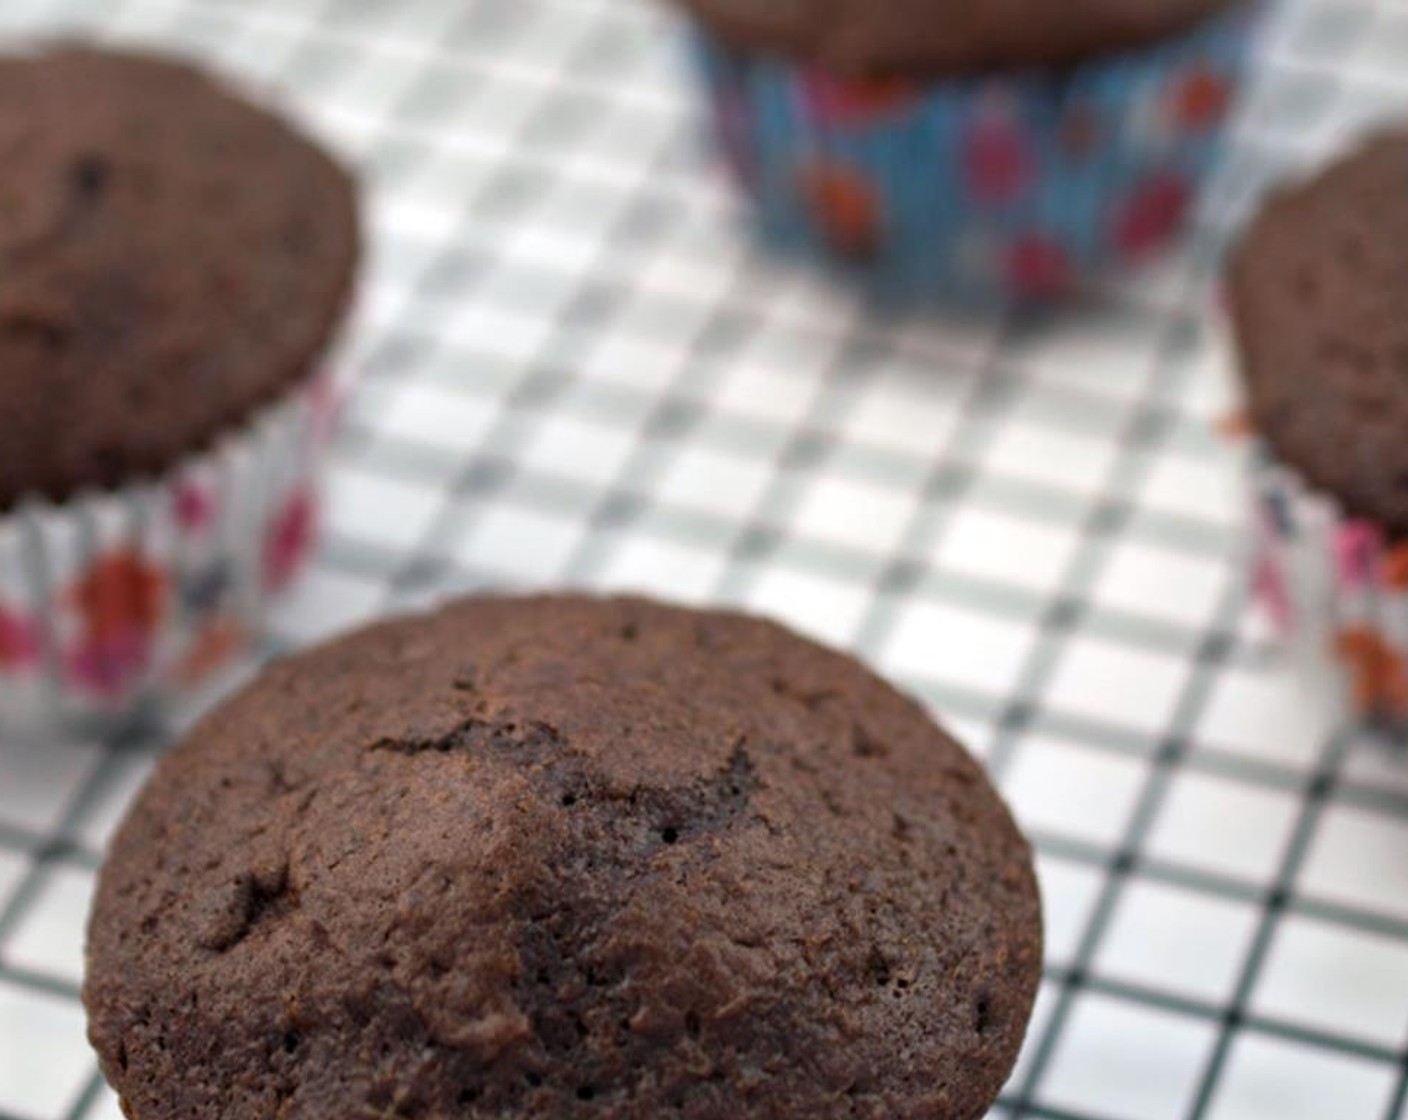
pixel 984 149
pixel 1317 288
pixel 565 857
pixel 174 265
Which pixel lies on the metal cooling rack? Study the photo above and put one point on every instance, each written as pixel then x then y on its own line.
pixel 575 370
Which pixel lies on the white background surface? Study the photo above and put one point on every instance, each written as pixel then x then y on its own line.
pixel 574 370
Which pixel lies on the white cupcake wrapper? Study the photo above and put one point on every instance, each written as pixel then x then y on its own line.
pixel 114 606
pixel 1338 590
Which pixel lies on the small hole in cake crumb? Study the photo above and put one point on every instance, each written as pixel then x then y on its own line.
pixel 984 1015
pixel 586 1093
pixel 670 835
pixel 90 175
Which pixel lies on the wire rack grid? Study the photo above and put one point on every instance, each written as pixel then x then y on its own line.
pixel 573 369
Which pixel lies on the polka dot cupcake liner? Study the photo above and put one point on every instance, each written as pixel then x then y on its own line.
pixel 1020 187
pixel 115 606
pixel 1336 588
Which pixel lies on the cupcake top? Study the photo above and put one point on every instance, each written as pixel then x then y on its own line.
pixel 944 38
pixel 1318 287
pixel 171 260
pixel 571 858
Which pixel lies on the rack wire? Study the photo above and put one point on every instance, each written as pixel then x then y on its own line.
pixel 574 369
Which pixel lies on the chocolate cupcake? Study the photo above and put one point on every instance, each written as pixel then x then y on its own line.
pixel 174 266
pixel 1317 289
pixel 990 149
pixel 570 858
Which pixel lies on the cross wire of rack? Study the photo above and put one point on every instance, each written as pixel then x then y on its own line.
pixel 573 368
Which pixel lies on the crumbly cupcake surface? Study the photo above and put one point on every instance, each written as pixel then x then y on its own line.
pixel 1317 290
pixel 941 38
pixel 565 857
pixel 171 260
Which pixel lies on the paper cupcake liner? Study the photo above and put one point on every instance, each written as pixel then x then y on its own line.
pixel 1021 186
pixel 1336 588
pixel 115 605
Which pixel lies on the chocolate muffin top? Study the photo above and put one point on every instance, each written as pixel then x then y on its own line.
pixel 568 858
pixel 1318 288
pixel 171 259
pixel 944 38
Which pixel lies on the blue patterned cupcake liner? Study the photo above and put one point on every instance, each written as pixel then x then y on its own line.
pixel 1021 186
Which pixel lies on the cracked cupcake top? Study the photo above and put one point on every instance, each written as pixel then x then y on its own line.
pixel 565 857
